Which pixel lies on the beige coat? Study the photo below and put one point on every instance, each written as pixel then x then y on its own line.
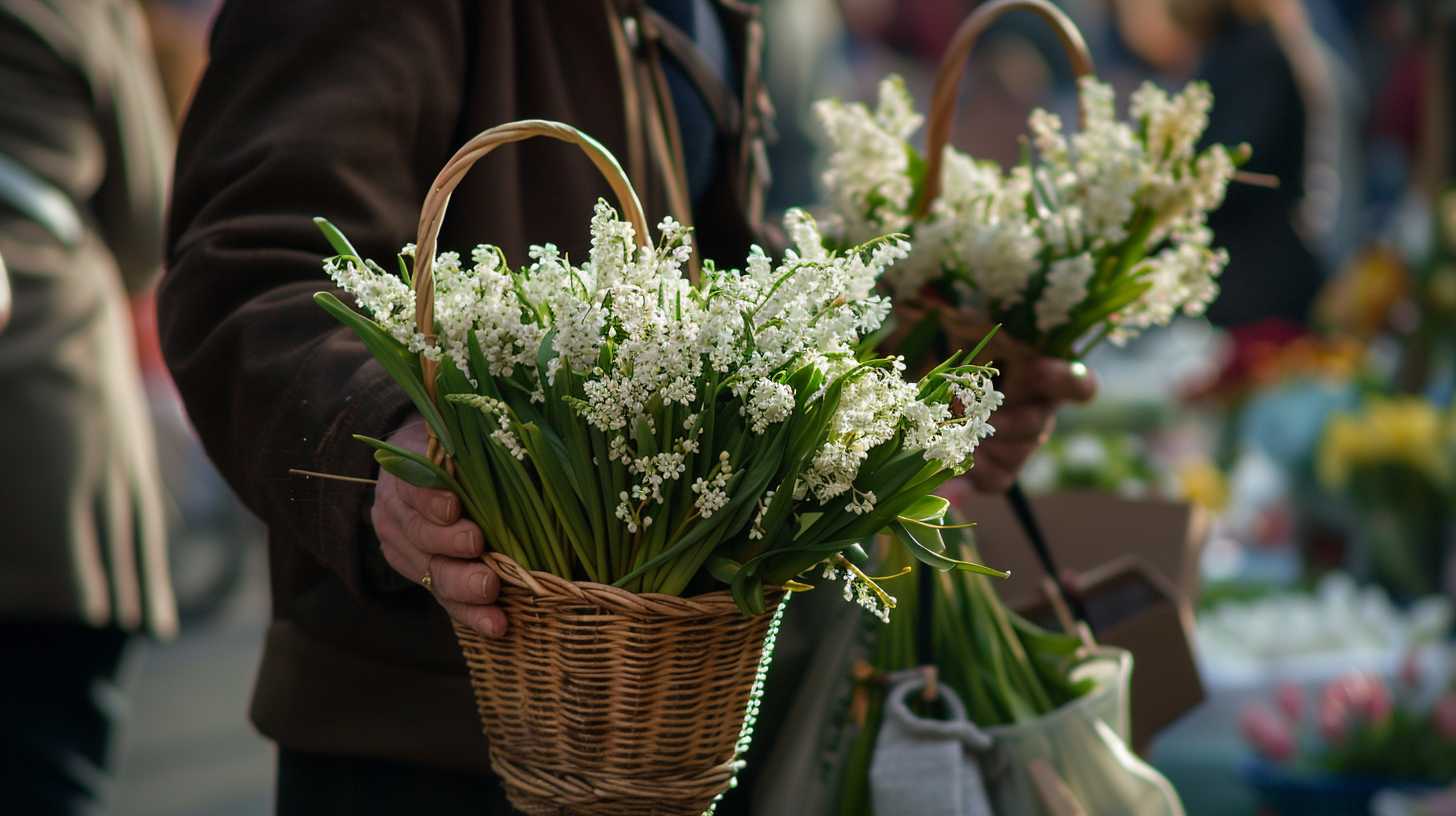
pixel 85 144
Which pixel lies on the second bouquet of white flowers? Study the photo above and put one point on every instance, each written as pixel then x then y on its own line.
pixel 615 422
pixel 1101 233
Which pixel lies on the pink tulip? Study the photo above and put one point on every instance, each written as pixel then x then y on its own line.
pixel 1410 670
pixel 1267 732
pixel 1357 695
pixel 1290 698
pixel 1443 716
pixel 1377 704
pixel 1334 719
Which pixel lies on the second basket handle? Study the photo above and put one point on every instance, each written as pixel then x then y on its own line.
pixel 952 67
pixel 432 213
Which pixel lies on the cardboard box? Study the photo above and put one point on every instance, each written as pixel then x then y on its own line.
pixel 1135 565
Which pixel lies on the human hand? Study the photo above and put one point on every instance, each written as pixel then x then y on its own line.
pixel 423 537
pixel 1035 387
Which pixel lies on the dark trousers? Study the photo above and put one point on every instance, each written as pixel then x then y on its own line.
pixel 314 784
pixel 61 710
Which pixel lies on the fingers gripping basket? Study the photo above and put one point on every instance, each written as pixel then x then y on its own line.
pixel 599 700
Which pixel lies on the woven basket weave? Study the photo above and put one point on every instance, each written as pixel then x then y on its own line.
pixel 602 701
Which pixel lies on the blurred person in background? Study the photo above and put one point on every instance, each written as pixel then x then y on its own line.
pixel 1276 87
pixel 1274 83
pixel 84 150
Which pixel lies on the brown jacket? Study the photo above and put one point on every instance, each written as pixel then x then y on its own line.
pixel 347 109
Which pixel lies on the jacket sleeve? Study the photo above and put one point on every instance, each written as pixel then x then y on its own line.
pixel 336 108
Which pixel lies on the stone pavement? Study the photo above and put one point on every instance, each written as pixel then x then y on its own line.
pixel 190 750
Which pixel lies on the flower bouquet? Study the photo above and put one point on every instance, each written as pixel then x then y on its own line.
pixel 1392 459
pixel 1362 737
pixel 633 442
pixel 1099 234
pixel 1048 705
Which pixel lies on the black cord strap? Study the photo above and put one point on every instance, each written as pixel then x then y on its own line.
pixel 1026 518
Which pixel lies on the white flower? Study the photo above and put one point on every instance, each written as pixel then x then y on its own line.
pixel 713 492
pixel 769 403
pixel 385 297
pixel 868 174
pixel 643 351
pixel 1046 135
pixel 980 223
pixel 1173 125
pixel 1109 189
pixel 1182 278
pixel 1066 287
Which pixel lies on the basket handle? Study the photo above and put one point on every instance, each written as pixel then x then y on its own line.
pixel 952 68
pixel 432 214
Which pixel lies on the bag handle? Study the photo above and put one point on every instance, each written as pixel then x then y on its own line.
pixel 432 214
pixel 952 68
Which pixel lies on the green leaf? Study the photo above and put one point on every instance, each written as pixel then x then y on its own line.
pixel 747 589
pixel 380 446
pixel 981 346
pixel 410 471
pixel 562 493
pixel 928 549
pixel 724 569
pixel 402 366
pixel 927 508
pixel 336 238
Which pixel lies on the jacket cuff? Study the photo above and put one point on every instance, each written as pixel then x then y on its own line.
pixel 345 534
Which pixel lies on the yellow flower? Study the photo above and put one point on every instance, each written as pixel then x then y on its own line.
pixel 1397 430
pixel 1361 298
pixel 1203 484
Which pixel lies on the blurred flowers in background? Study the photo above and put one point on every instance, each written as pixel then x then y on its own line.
pixel 1359 726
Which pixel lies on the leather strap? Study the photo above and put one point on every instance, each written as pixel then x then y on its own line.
pixel 718 94
pixel 654 144
pixel 752 174
pixel 640 37
pixel 665 136
pixel 631 97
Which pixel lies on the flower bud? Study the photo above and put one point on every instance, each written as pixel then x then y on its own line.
pixel 1443 716
pixel 1334 720
pixel 1290 697
pixel 1410 670
pixel 1267 732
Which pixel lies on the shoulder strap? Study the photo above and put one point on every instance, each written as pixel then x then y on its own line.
pixel 1026 519
pixel 719 95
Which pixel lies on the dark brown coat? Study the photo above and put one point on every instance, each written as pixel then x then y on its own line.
pixel 346 109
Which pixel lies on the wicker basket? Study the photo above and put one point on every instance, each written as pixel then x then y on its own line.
pixel 602 701
pixel 599 700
